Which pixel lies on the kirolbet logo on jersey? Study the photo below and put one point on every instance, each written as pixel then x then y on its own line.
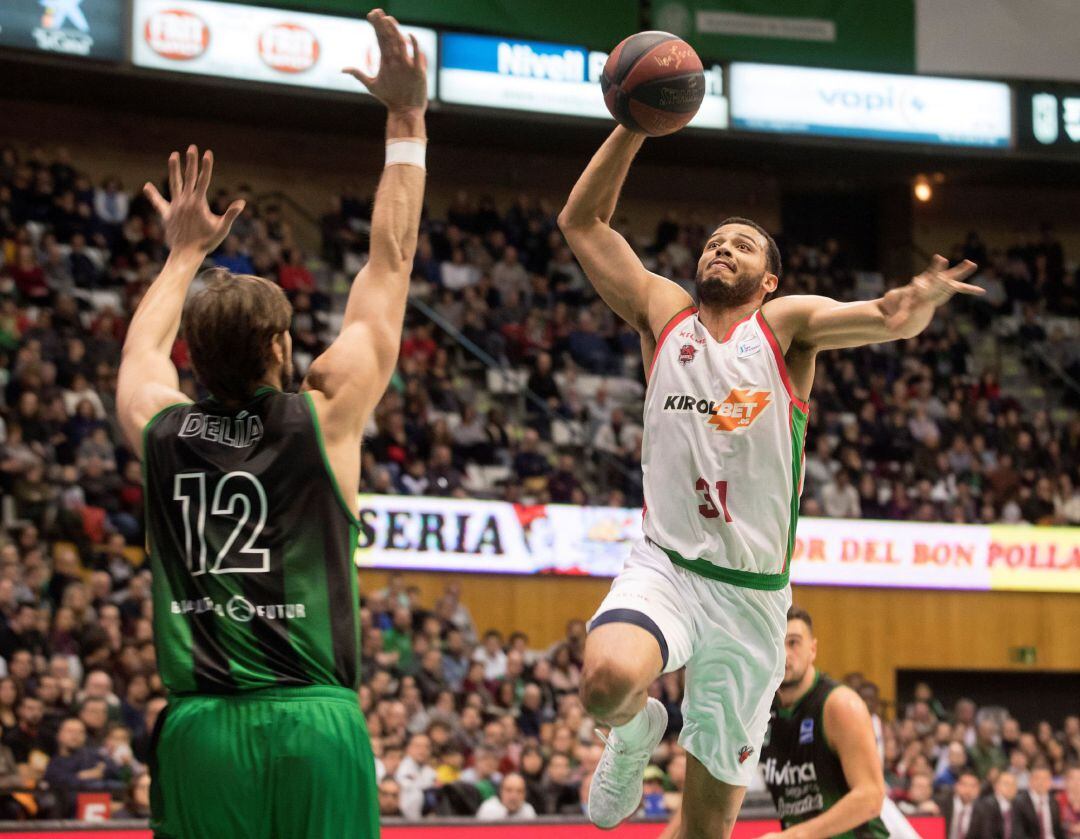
pixel 740 409
pixel 177 34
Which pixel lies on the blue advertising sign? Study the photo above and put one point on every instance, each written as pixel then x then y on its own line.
pixel 85 28
pixel 542 77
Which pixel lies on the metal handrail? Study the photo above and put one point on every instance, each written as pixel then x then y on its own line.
pixel 1040 353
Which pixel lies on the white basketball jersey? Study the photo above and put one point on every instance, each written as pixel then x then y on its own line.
pixel 722 454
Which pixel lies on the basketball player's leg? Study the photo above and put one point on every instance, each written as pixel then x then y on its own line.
pixel 730 682
pixel 714 806
pixel 709 806
pixel 621 660
pixel 643 627
pixel 207 778
pixel 321 769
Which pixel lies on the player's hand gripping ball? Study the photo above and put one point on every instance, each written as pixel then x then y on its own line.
pixel 653 83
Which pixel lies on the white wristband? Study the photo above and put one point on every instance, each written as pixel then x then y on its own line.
pixel 406 153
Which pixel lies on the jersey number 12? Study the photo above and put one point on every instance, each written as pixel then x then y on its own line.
pixel 239 497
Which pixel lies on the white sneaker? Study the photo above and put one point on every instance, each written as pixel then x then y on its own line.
pixel 615 793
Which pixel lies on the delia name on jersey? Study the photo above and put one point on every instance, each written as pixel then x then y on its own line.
pixel 240 431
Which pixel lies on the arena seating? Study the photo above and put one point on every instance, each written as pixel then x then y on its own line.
pixel 514 382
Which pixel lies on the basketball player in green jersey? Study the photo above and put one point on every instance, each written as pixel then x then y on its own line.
pixel 820 757
pixel 251 510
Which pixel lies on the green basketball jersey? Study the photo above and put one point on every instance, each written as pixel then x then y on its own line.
pixel 251 548
pixel 803 773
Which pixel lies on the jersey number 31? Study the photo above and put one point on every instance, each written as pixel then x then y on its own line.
pixel 708 509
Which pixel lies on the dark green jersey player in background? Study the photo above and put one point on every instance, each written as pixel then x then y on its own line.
pixel 250 527
pixel 820 759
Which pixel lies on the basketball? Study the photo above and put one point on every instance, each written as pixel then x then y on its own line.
pixel 653 83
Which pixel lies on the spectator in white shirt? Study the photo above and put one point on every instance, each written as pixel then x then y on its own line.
pixel 819 467
pixel 80 390
pixel 508 274
pixel 1066 501
pixel 111 202
pixel 415 775
pixel 617 436
pixel 510 804
pixel 457 273
pixel 840 498
pixel 492 656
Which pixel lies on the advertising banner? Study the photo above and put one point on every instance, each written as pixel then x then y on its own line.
pixel 261 45
pixel 1048 118
pixel 879 106
pixel 491 537
pixel 543 78
pixel 83 28
pixel 822 33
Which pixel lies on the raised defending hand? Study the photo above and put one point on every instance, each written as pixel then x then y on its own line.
pixel 189 223
pixel 401 83
pixel 938 282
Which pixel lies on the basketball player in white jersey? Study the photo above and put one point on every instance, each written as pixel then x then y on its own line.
pixel 725 417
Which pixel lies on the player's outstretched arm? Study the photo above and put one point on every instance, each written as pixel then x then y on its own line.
pixel 850 734
pixel 350 377
pixel 820 323
pixel 147 380
pixel 644 300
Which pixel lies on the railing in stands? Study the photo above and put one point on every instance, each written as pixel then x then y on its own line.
pixel 1038 354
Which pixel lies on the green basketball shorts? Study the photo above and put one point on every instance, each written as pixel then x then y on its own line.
pixel 281 763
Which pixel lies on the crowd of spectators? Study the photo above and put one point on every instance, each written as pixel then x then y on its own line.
pixel 463 724
pixel 912 430
pixel 980 769
pixel 904 431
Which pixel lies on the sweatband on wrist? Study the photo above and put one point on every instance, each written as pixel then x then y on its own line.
pixel 406 153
